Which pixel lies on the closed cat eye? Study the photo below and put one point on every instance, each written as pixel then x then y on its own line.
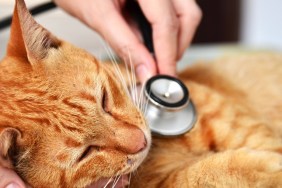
pixel 87 152
pixel 104 101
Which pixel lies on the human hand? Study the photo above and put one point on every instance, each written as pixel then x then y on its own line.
pixel 9 179
pixel 173 23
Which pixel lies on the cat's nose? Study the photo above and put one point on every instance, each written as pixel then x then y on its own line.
pixel 139 145
pixel 132 141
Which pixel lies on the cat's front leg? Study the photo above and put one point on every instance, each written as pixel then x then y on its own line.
pixel 234 168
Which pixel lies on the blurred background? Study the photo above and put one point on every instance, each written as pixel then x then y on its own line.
pixel 228 26
pixel 250 22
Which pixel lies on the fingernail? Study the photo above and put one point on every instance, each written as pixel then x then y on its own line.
pixel 12 185
pixel 143 73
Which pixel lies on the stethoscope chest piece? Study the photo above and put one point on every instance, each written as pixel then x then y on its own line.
pixel 169 111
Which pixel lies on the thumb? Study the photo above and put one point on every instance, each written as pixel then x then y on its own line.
pixel 9 179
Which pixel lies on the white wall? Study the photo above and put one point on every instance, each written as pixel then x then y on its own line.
pixel 262 23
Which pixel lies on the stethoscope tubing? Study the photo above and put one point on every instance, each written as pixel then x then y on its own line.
pixel 6 22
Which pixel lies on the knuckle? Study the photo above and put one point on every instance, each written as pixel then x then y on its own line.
pixel 192 13
pixel 174 23
pixel 171 24
pixel 196 14
pixel 126 50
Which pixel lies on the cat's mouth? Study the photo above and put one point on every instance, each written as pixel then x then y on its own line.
pixel 116 182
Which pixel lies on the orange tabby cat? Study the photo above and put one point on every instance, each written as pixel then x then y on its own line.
pixel 65 120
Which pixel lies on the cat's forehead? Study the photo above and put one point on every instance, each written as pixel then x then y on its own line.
pixel 70 56
pixel 74 64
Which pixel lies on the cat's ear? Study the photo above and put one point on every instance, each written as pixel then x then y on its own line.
pixel 28 39
pixel 8 140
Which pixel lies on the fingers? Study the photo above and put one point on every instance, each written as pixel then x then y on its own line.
pixel 9 179
pixel 189 15
pixel 165 26
pixel 125 43
pixel 173 22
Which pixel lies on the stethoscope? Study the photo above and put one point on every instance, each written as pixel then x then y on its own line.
pixel 170 112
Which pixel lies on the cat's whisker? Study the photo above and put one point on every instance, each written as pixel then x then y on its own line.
pixel 136 175
pixel 128 75
pixel 120 76
pixel 129 179
pixel 145 101
pixel 133 76
pixel 146 108
pixel 24 155
pixel 109 181
pixel 146 104
pixel 130 80
pixel 132 90
pixel 141 99
pixel 117 69
pixel 116 181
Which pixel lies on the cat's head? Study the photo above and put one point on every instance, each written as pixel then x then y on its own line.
pixel 65 118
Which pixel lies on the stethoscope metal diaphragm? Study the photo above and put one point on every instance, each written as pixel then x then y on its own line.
pixel 169 111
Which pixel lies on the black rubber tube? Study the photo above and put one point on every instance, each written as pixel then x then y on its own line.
pixel 135 11
pixel 6 22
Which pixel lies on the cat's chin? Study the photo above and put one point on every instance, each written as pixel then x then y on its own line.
pixel 117 182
